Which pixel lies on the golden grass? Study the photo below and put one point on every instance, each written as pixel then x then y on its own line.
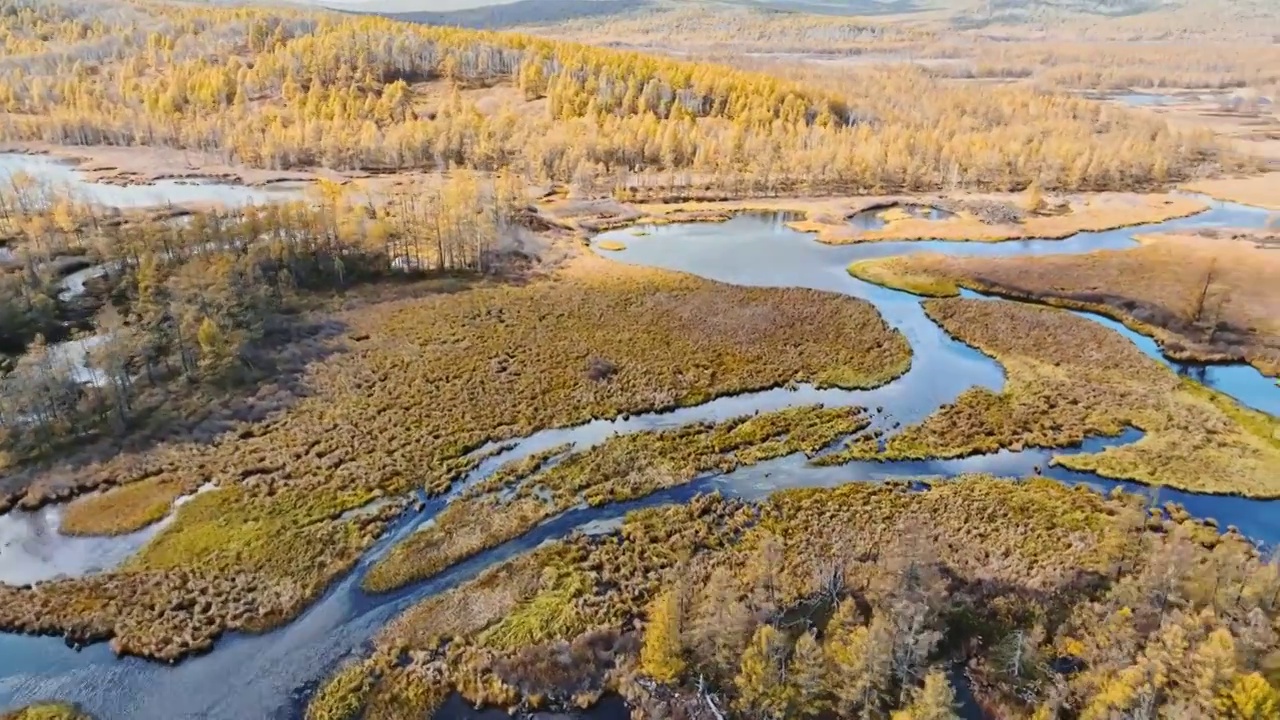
pixel 611 245
pixel 624 468
pixel 1257 190
pixel 995 553
pixel 343 695
pixel 896 273
pixel 122 510
pixel 1155 288
pixel 419 383
pixel 1069 378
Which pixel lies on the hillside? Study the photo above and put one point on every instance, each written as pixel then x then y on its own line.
pixel 290 90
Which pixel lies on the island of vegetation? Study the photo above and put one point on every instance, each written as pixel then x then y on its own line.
pixel 1205 296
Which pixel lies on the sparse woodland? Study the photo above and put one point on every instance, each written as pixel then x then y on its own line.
pixel 202 296
pixel 864 601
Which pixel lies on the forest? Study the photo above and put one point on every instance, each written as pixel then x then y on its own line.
pixel 206 297
pixel 287 90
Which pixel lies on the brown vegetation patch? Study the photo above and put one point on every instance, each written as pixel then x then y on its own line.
pixel 433 378
pixel 1258 190
pixel 1069 378
pixel 835 580
pixel 1207 296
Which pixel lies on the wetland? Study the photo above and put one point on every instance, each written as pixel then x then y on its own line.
pixel 366 369
pixel 821 415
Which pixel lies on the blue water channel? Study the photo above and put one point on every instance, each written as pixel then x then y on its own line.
pixel 271 675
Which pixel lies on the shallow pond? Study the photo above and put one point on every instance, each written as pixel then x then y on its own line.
pixel 877 218
pixel 59 174
pixel 272 675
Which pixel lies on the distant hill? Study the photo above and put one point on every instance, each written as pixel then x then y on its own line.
pixel 1173 15
pixel 496 14
pixel 521 12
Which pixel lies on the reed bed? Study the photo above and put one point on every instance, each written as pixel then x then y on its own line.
pixel 1207 296
pixel 415 385
pixel 624 468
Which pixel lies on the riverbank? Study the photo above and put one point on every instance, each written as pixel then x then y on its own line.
pixel 1205 295
pixel 956 217
pixel 124 166
pixel 1258 190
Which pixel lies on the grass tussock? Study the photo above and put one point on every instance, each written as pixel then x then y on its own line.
pixel 611 245
pixel 122 510
pixel 1069 378
pixel 422 382
pixel 1052 573
pixel 624 468
pixel 1205 297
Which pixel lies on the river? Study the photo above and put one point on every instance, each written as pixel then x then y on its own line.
pixel 271 675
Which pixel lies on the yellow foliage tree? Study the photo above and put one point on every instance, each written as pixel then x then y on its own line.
pixel 935 701
pixel 1251 697
pixel 662 655
pixel 761 683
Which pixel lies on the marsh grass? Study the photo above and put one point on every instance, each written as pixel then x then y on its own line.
pixel 1004 554
pixel 611 245
pixel 122 510
pixel 896 274
pixel 624 468
pixel 1207 297
pixel 1068 379
pixel 344 695
pixel 423 382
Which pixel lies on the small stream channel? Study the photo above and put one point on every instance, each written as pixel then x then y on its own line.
pixel 271 675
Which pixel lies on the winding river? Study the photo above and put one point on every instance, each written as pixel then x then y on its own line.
pixel 271 675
